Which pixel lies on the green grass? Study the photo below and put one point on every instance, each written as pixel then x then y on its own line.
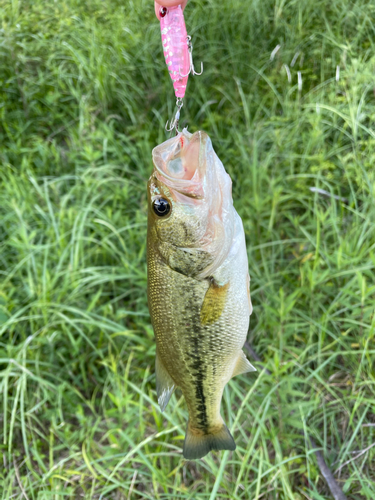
pixel 84 96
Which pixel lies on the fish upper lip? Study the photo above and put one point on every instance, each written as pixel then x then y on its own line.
pixel 182 186
pixel 189 195
pixel 178 189
pixel 182 182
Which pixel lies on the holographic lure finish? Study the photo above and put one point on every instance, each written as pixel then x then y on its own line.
pixel 176 47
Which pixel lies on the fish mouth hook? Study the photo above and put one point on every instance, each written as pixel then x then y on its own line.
pixel 191 63
pixel 173 125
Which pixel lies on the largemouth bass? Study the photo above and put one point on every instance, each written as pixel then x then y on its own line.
pixel 198 285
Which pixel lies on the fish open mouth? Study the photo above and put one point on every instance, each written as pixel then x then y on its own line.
pixel 180 163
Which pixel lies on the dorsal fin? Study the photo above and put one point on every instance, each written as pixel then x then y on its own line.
pixel 243 365
pixel 164 383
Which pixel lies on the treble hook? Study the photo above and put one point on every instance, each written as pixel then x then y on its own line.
pixel 191 64
pixel 174 122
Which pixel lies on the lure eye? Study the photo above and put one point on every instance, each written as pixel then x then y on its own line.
pixel 161 207
pixel 163 12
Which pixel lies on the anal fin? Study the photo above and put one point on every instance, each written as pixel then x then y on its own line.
pixel 243 365
pixel 164 383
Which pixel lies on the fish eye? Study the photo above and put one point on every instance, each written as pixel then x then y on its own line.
pixel 161 207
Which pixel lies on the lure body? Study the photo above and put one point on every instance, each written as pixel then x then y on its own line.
pixel 198 285
pixel 175 46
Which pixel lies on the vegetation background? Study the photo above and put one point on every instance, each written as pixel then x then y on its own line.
pixel 287 96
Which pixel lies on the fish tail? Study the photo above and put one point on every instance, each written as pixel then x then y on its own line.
pixel 197 443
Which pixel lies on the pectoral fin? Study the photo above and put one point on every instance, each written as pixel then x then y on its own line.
pixel 213 303
pixel 164 383
pixel 243 365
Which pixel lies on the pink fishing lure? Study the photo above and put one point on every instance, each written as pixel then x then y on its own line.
pixel 176 47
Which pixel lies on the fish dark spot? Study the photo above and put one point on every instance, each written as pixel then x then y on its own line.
pixel 186 230
pixel 199 368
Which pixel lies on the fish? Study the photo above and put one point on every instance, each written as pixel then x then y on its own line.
pixel 198 285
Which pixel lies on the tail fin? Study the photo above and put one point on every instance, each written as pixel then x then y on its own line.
pixel 198 445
